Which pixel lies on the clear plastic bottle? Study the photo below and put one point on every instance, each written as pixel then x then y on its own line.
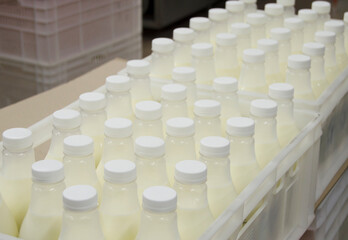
pixel 158 218
pixel 310 18
pixel 80 215
pixel 194 215
pixel 44 217
pixel 151 163
pixel 226 92
pixel 236 11
pixel 118 97
pixel 322 8
pixel 283 94
pixel 267 146
pixel 275 14
pixel 119 209
pixel 15 173
pixel 66 122
pixel 299 76
pixel 214 153
pixel 243 33
pixel 243 166
pixel 219 20
pixel 316 52
pixel 180 143
pixel 289 7
pixel 79 162
pixel 249 6
pixel 118 143
pixel 201 26
pixel 252 75
pixel 257 22
pixel 148 119
pixel 92 108
pixel 138 72
pixel 272 71
pixel 331 67
pixel 296 25
pixel 346 31
pixel 183 38
pixel 226 60
pixel 8 223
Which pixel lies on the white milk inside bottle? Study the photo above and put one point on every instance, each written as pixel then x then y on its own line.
pixel 299 76
pixel 235 11
pixel 15 173
pixel 275 14
pixel 289 7
pixel 151 163
pixel 219 20
pixel 180 143
pixel 252 75
pixel 296 25
pixel 44 217
pixel 226 60
pixel 118 143
pixel 118 96
pixel 92 108
pixel 310 18
pixel 242 31
pixel 214 153
pixel 243 165
pixel 8 223
pixel 79 161
pixel 80 215
pixel 249 6
pixel 346 31
pixel 158 218
pixel 322 8
pixel 201 26
pixel 266 141
pixel 66 122
pixel 194 215
pixel 257 22
pixel 272 71
pixel 119 209
pixel 183 38
pixel 162 63
pixel 283 94
pixel 138 72
pixel 148 120
pixel 316 52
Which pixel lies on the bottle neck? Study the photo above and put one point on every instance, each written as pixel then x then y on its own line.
pixel 270 67
pixel 340 49
pixel 242 149
pixel 265 129
pixel 16 164
pixel 218 169
pixel 285 111
pixel 330 55
pixel 317 67
pixel 191 196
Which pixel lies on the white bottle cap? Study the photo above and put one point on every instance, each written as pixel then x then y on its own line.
pixel 118 128
pixel 263 108
pixel 286 3
pixel 345 18
pixel 240 29
pixel 218 14
pixel 66 119
pixel 225 84
pixel 80 198
pixel 199 23
pixel 299 61
pixel 202 49
pixel 120 171
pixel 78 145
pixel 307 15
pixel 325 37
pixel 159 199
pixel 240 127
pixel 214 146
pixel 183 35
pixel 207 108
pixel 180 127
pixel 118 83
pixel 148 110
pixel 249 1
pixel 162 45
pixel 190 172
pixel 274 9
pixel 253 55
pixel 313 49
pixel 138 67
pixel 336 26
pixel 280 33
pixel 17 138
pixel 47 171
pixel 234 6
pixel 294 23
pixel 267 45
pixel 321 7
pixel 281 91
pixel 226 39
pixel 92 101
pixel 149 146
pixel 256 19
pixel 173 92
pixel 184 74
